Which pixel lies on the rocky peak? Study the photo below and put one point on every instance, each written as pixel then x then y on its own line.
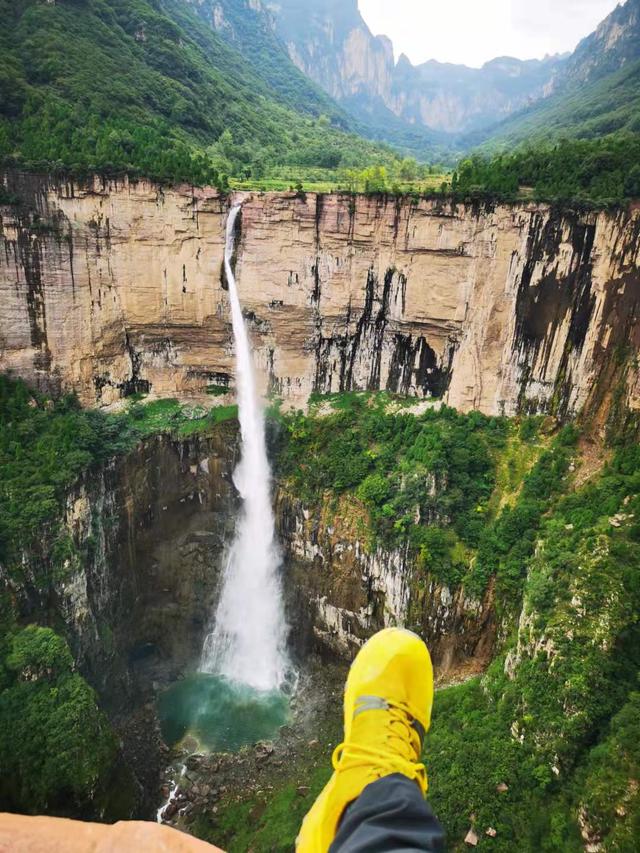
pixel 614 44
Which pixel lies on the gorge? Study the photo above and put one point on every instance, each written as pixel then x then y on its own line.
pixel 379 316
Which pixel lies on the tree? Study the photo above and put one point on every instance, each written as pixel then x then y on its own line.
pixel 409 169
pixel 632 183
pixel 375 180
pixel 56 744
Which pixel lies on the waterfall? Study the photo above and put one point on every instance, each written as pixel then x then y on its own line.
pixel 248 641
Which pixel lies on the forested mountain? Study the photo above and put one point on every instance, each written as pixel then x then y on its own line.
pixel 596 92
pixel 202 90
pixel 146 86
pixel 247 27
pixel 262 37
pixel 610 104
pixel 592 92
pixel 582 142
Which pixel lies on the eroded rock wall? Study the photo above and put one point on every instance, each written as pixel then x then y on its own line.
pixel 136 594
pixel 347 588
pixel 116 287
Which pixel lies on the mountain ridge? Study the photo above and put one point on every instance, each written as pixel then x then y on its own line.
pixel 336 48
pixel 144 87
pixel 333 45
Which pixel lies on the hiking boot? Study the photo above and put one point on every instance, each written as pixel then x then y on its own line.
pixel 387 711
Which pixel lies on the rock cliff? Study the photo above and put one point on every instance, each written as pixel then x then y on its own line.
pixel 108 288
pixel 331 43
pixel 346 590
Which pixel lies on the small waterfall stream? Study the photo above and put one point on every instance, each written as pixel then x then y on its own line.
pixel 248 641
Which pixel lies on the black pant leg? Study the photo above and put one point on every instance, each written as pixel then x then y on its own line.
pixel 390 816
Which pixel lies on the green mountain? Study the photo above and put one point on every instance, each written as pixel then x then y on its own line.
pixel 261 36
pixel 148 87
pixel 596 93
pixel 331 42
pixel 245 26
pixel 610 104
pixel 591 93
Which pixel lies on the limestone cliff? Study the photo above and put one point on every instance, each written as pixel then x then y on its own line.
pixel 113 287
pixel 347 590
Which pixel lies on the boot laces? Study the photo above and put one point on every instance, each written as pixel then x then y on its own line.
pixel 396 755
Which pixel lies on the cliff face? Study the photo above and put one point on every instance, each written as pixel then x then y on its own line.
pixel 112 288
pixel 613 45
pixel 136 593
pixel 149 531
pixel 347 590
pixel 331 43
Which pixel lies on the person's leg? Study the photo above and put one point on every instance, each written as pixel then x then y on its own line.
pixel 375 800
pixel 390 815
pixel 21 834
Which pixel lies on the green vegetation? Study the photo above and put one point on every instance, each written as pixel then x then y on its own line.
pixel 277 827
pixel 556 716
pixel 581 144
pixel 57 747
pixel 45 446
pixel 171 416
pixel 148 88
pixel 506 543
pixel 544 748
pixel 596 109
pixel 467 492
pixel 400 177
pixel 426 479
pixel 604 171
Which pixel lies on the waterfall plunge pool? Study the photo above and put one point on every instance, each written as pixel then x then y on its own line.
pixel 221 715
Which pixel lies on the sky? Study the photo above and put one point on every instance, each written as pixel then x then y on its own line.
pixel 473 31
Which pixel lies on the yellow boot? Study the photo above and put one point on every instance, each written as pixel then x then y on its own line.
pixel 387 711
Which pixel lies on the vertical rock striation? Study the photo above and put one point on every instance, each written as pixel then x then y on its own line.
pixel 341 590
pixel 114 287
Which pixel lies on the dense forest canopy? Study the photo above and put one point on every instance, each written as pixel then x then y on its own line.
pixel 600 171
pixel 148 88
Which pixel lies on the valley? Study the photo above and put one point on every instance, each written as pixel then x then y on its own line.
pixel 300 341
pixel 440 349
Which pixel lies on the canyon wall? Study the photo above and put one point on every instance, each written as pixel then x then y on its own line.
pixel 135 587
pixel 332 44
pixel 341 590
pixel 114 287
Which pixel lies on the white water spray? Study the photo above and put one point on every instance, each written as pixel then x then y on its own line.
pixel 248 641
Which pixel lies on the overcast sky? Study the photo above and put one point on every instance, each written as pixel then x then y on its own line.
pixel 474 31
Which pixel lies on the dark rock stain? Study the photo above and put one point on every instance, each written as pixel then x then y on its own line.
pixel 542 309
pixel 413 362
pixel 30 254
